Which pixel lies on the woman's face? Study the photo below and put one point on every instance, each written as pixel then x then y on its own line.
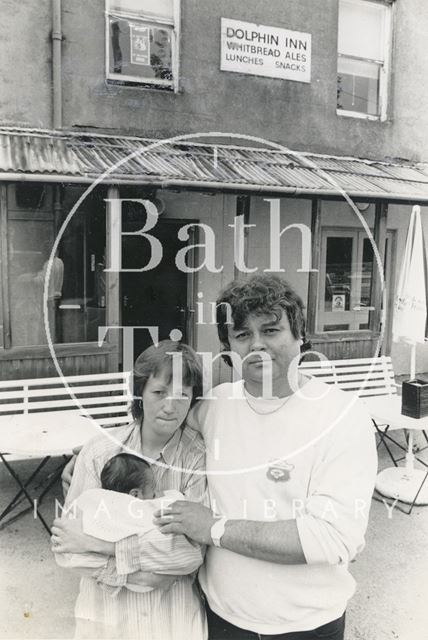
pixel 164 411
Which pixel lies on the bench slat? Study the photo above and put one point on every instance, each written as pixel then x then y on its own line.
pixel 112 421
pixel 364 376
pixel 58 404
pixel 118 408
pixel 52 382
pixel 344 365
pixel 350 361
pixel 77 391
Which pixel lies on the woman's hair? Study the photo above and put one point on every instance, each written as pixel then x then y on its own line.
pixel 159 359
pixel 125 472
pixel 258 295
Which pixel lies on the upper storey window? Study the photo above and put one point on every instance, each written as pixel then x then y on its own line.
pixel 142 42
pixel 363 58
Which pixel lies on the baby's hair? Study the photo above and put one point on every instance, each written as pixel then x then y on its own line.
pixel 125 472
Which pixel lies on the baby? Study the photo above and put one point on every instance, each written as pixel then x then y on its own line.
pixel 124 506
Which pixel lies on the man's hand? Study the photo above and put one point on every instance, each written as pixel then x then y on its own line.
pixel 67 472
pixel 189 518
pixel 68 537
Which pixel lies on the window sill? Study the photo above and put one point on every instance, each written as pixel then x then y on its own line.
pixel 140 84
pixel 359 116
pixel 345 336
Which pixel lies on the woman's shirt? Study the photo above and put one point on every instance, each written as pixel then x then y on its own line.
pixel 175 612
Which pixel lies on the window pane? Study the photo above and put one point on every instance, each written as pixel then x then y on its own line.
pixel 140 50
pixel 361 29
pixel 336 327
pixel 145 8
pixel 358 86
pixel 76 284
pixel 1 302
pixel 366 274
pixel 30 242
pixel 338 274
pixel 81 309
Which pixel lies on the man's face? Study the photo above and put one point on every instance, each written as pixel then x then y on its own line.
pixel 264 333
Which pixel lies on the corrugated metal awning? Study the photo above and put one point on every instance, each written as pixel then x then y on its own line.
pixel 30 154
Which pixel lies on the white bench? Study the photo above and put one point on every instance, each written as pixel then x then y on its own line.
pixel 103 396
pixel 373 380
pixel 364 376
pixel 41 418
pixel 368 378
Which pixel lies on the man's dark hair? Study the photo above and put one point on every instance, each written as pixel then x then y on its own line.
pixel 125 472
pixel 258 295
pixel 157 359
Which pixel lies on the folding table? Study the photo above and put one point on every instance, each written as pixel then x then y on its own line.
pixel 41 435
pixel 405 484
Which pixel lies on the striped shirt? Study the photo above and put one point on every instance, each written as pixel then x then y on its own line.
pixel 105 608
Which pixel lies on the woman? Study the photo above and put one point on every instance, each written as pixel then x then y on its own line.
pixel 105 607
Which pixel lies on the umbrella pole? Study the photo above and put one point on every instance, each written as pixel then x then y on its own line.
pixel 410 458
pixel 413 361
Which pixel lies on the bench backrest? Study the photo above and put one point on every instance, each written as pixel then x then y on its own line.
pixel 364 376
pixel 104 396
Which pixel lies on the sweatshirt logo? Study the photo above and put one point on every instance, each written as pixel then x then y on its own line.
pixel 279 470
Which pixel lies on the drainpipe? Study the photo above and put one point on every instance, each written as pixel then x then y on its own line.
pixel 57 98
pixel 56 65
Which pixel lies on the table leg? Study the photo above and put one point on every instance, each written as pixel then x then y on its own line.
pixel 25 492
pixel 417 495
pixel 54 477
pixel 383 435
pixel 14 500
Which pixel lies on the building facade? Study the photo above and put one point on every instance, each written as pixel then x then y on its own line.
pixel 336 90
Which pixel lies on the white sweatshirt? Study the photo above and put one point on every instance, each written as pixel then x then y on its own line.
pixel 313 459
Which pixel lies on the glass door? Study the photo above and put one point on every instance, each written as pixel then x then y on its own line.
pixel 345 283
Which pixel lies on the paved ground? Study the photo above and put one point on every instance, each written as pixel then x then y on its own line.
pixel 36 596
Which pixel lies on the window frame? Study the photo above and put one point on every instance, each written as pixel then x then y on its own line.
pixel 11 212
pixel 384 65
pixel 359 236
pixel 354 316
pixel 146 83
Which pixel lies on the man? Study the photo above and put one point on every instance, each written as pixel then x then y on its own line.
pixel 291 473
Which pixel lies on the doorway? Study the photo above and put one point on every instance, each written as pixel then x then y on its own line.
pixel 346 272
pixel 163 296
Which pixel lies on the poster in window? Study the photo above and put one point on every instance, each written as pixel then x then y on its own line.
pixel 338 303
pixel 140 44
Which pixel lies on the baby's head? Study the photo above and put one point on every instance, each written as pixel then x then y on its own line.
pixel 127 473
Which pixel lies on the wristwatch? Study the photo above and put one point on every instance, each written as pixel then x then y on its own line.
pixel 217 531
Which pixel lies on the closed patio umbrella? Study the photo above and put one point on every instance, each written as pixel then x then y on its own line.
pixel 410 307
pixel 409 326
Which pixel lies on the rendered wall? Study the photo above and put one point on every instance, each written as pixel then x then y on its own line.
pixel 301 116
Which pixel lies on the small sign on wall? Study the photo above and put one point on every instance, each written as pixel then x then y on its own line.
pixel 265 51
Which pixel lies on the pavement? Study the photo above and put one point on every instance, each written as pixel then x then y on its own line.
pixel 37 596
